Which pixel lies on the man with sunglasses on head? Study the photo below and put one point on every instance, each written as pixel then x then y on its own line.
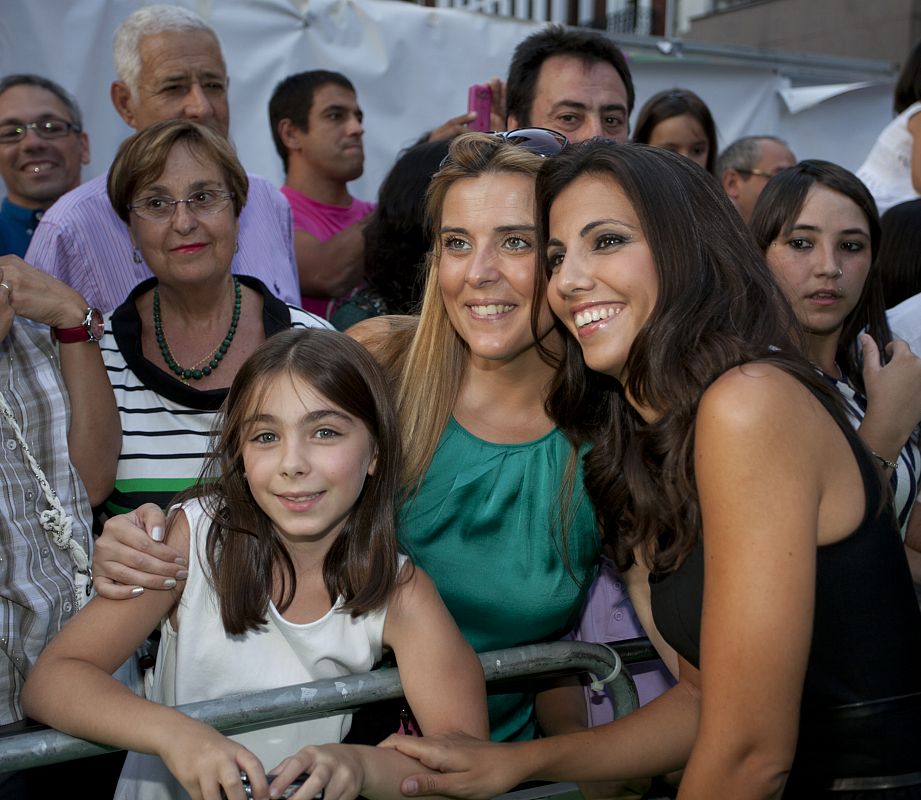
pixel 169 66
pixel 42 148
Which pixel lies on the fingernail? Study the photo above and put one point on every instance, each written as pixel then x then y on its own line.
pixel 410 787
pixel 157 534
pixel 137 591
pixel 182 575
pixel 169 583
pixel 181 562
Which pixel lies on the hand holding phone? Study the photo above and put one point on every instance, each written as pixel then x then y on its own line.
pixel 479 102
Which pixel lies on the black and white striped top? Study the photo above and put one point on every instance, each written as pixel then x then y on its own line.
pixel 165 423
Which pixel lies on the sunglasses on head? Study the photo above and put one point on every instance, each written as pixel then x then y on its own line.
pixel 540 141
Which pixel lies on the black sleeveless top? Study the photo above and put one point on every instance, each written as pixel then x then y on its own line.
pixel 860 714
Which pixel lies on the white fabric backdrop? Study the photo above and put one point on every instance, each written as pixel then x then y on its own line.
pixel 411 66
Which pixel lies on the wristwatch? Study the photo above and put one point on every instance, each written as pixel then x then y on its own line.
pixel 90 330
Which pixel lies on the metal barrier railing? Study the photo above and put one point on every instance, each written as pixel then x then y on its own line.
pixel 246 712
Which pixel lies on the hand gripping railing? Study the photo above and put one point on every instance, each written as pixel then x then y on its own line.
pixel 325 698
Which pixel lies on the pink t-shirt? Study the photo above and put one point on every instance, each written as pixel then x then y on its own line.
pixel 324 222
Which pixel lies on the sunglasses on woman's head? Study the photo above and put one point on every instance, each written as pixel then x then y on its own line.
pixel 540 141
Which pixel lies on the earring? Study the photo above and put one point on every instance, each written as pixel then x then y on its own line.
pixel 840 273
pixel 236 247
pixel 136 257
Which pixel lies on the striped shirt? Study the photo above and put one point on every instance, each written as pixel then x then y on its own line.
pixel 904 479
pixel 166 425
pixel 36 578
pixel 84 243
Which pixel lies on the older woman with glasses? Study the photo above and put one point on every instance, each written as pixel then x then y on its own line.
pixel 173 347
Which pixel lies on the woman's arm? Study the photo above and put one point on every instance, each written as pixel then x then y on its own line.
pixel 71 689
pixel 764 453
pixel 653 740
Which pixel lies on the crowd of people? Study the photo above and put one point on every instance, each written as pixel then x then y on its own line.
pixel 565 379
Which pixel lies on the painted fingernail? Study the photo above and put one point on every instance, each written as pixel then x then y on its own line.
pixel 157 534
pixel 181 562
pixel 169 583
pixel 137 591
pixel 182 575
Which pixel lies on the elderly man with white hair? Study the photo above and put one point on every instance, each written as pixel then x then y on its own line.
pixel 169 66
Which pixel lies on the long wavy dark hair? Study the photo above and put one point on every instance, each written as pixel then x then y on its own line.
pixel 775 215
pixel 718 307
pixel 244 552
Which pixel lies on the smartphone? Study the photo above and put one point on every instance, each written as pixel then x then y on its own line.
pixel 479 102
pixel 292 788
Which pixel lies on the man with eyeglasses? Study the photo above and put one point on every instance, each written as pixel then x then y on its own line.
pixel 169 66
pixel 42 148
pixel 745 167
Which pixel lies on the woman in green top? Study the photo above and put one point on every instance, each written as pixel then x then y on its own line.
pixel 494 507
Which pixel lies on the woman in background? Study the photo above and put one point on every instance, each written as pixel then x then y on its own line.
pixel 678 120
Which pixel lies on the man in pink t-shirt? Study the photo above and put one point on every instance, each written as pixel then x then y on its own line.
pixel 317 127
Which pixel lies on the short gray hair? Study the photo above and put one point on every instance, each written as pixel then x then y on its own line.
pixel 743 154
pixel 149 21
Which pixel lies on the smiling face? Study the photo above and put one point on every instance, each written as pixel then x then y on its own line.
pixel 683 135
pixel 822 263
pixel 581 100
pixel 603 284
pixel 486 264
pixel 37 171
pixel 306 460
pixel 186 249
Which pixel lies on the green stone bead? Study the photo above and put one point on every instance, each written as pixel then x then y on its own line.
pixel 212 364
pixel 186 373
pixel 206 370
pixel 196 373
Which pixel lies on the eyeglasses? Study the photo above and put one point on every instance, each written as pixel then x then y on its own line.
pixel 12 132
pixel 204 203
pixel 540 141
pixel 761 172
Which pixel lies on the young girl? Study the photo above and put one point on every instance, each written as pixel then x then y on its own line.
pixel 678 120
pixel 293 576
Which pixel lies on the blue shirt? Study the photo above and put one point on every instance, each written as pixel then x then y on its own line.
pixel 17 224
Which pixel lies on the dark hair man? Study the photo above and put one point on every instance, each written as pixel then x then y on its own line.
pixel 576 82
pixel 317 127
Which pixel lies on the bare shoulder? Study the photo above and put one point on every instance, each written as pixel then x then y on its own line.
pixel 413 586
pixel 373 329
pixel 757 396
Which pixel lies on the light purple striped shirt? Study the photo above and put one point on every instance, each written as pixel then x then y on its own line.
pixel 83 242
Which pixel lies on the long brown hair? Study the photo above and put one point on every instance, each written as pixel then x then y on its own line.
pixel 243 550
pixel 775 214
pixel 718 307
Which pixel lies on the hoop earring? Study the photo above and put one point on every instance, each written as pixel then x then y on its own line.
pixel 136 257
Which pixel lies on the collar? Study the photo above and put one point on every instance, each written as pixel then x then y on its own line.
pixel 21 214
pixel 126 328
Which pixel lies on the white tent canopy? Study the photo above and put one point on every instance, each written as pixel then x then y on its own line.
pixel 412 65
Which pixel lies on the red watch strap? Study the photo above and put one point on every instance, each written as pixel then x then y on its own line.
pixel 71 335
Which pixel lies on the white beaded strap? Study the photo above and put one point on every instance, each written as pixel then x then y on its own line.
pixel 55 520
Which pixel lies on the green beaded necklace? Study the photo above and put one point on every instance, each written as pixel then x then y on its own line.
pixel 216 357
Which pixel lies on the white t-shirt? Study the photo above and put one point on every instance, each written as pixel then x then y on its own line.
pixel 201 661
pixel 887 170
